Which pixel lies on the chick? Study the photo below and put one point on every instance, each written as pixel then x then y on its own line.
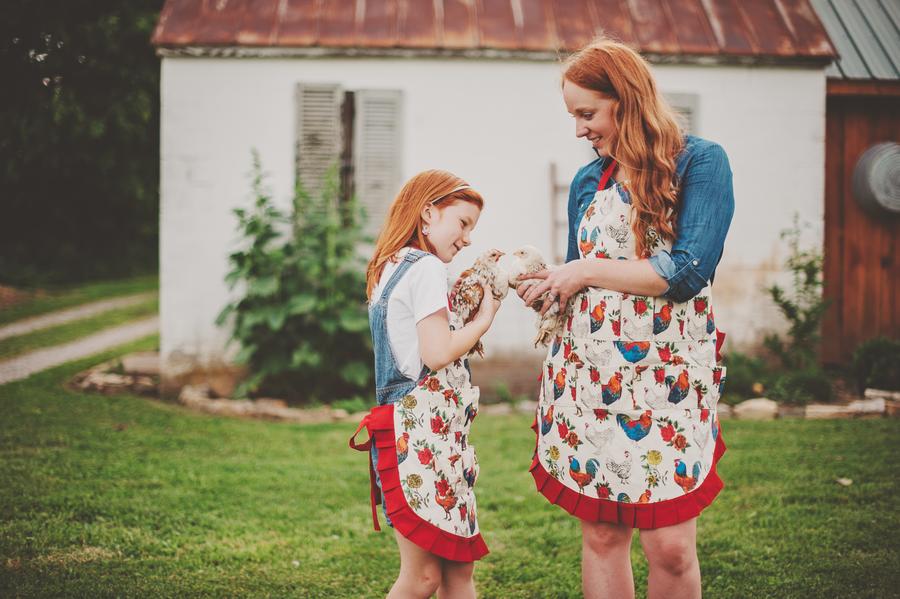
pixel 468 290
pixel 528 260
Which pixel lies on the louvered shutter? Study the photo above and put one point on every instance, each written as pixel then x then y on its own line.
pixel 319 135
pixel 377 152
pixel 685 106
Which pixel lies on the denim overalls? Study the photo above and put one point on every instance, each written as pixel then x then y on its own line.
pixel 422 468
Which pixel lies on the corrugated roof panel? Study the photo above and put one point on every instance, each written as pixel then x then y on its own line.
pixel 417 25
pixel 615 20
pixel 731 29
pixel 379 24
pixel 886 31
pixel 497 25
pixel 849 62
pixel 864 39
pixel 574 26
pixel 538 32
pixel 692 27
pixel 298 24
pixel 772 35
pixel 892 7
pixel 337 23
pixel 257 24
pixel 805 25
pixel 654 31
pixel 460 24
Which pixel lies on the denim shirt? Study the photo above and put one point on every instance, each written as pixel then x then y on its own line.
pixel 706 205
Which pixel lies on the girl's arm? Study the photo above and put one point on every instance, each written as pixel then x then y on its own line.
pixel 439 346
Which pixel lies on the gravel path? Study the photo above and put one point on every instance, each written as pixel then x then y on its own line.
pixel 20 327
pixel 26 365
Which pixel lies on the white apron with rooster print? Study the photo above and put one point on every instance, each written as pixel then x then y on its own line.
pixel 626 426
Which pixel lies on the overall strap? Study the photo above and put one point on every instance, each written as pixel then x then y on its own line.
pixel 607 173
pixel 411 257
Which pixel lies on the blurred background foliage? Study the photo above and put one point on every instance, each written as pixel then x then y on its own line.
pixel 79 140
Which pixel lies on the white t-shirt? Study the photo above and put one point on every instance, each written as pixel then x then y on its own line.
pixel 421 292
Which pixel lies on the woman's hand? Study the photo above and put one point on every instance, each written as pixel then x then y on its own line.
pixel 563 282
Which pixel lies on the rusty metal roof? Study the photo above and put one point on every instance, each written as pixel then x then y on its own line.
pixel 774 29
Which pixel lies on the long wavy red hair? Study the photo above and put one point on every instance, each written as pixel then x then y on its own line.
pixel 403 226
pixel 648 138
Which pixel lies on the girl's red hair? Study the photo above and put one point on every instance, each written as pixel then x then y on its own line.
pixel 403 226
pixel 648 137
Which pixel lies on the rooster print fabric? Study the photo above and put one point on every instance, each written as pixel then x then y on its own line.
pixel 437 464
pixel 627 409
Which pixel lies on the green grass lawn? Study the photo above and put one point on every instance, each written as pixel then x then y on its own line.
pixel 122 496
pixel 70 331
pixel 69 297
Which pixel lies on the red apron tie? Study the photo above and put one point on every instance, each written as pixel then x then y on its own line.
pixel 606 175
pixel 374 494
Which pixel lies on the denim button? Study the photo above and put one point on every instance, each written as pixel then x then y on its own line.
pixel 696 262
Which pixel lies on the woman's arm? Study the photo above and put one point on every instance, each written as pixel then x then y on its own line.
pixel 631 276
pixel 705 212
pixel 439 346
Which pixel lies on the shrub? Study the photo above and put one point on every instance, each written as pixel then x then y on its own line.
pixel 802 387
pixel 301 320
pixel 746 377
pixel 876 363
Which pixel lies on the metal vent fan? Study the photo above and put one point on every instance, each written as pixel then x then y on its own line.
pixel 876 179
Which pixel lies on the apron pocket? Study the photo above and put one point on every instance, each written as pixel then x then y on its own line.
pixel 605 388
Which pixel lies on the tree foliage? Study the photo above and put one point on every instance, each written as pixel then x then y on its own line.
pixel 79 139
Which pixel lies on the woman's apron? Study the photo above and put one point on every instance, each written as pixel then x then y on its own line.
pixel 423 462
pixel 627 429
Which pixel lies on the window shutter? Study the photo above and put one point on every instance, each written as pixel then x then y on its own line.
pixel 685 107
pixel 377 153
pixel 319 135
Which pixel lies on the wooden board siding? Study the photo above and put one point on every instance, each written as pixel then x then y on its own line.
pixel 862 252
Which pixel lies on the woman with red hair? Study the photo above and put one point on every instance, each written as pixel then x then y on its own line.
pixel 627 431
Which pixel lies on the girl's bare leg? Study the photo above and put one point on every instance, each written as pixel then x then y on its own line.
pixel 672 557
pixel 606 560
pixel 457 582
pixel 420 571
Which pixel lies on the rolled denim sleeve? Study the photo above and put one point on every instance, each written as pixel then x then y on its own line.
pixel 705 212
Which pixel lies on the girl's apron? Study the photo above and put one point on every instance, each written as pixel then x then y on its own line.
pixel 423 463
pixel 627 429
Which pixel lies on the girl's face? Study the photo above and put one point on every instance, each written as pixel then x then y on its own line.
pixel 449 227
pixel 593 114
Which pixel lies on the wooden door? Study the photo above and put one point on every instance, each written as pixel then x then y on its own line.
pixel 862 266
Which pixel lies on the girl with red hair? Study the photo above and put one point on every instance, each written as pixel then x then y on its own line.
pixel 422 466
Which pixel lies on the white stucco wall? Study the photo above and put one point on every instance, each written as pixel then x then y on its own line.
pixel 498 124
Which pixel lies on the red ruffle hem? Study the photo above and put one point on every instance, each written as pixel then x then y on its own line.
pixel 635 515
pixel 379 422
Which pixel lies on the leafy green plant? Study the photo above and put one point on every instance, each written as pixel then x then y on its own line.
pixel 802 387
pixel 803 305
pixel 876 363
pixel 747 376
pixel 301 318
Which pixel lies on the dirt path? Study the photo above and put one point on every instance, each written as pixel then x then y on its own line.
pixel 20 327
pixel 24 366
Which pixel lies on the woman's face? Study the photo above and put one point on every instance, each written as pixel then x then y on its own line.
pixel 593 114
pixel 449 227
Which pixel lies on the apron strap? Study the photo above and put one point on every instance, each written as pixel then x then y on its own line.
pixel 374 494
pixel 607 173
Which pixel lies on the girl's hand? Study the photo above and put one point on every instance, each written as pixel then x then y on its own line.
pixel 563 282
pixel 488 308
